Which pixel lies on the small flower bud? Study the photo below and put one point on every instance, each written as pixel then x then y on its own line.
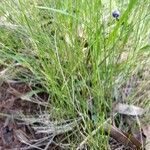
pixel 116 14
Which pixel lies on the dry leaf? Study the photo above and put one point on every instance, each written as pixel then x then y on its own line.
pixel 122 137
pixel 133 139
pixel 146 130
pixel 128 109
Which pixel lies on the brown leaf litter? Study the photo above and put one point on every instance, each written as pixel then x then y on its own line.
pixel 13 130
pixel 24 123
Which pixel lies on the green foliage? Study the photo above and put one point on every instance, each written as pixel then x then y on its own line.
pixel 72 49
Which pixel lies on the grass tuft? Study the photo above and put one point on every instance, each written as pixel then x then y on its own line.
pixel 75 51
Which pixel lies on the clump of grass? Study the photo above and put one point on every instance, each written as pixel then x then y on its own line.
pixel 74 50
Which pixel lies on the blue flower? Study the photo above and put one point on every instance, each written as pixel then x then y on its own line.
pixel 116 14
